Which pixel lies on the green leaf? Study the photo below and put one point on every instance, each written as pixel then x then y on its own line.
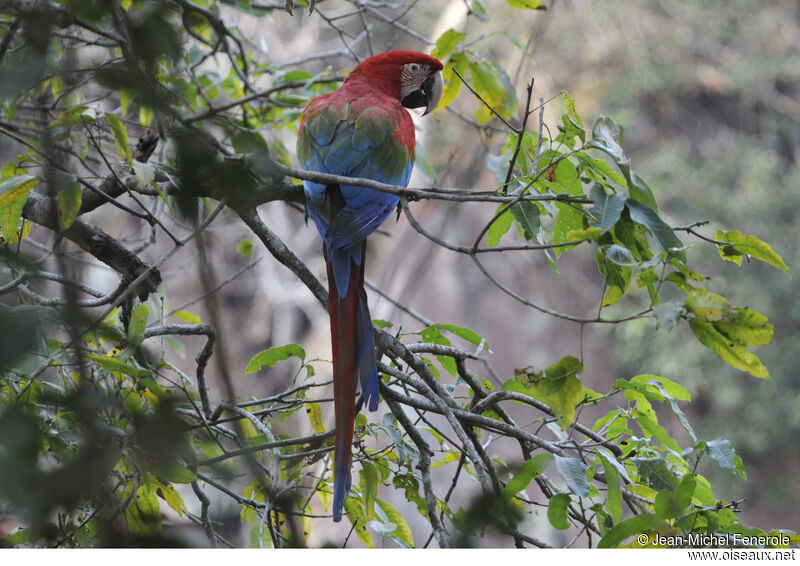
pixel 10 218
pixel 20 536
pixel 72 117
pixel 125 96
pixel 274 355
pixel 656 473
pixel 558 511
pixel 403 530
pixel 708 306
pixel 120 137
pixel 740 467
pixel 145 116
pixel 142 514
pixel 172 497
pixel 530 469
pixel 138 325
pixel 452 84
pixel 175 473
pixel 584 234
pixel 145 172
pixel 568 220
pixel 447 43
pixel 664 385
pixel 410 486
pixel 559 387
pixel 665 238
pixel 15 187
pixel 635 391
pixel 491 82
pixel 667 315
pixel 734 354
pixel 527 4
pixel 747 327
pixel 685 492
pixel 679 280
pixel 368 482
pixel 244 247
pixel 463 332
pixel 616 272
pixel 251 142
pixel 498 228
pixel 527 216
pixel 629 527
pixel 564 401
pixel 614 496
pixel 748 245
pixel 600 169
pixel 451 456
pixel 295 75
pixel 607 208
pixel 572 110
pixel 187 316
pixel 620 255
pixel 116 366
pixel 432 334
pixel 607 136
pixel 723 453
pixel 611 459
pixel 574 474
pixel 669 504
pixel 684 269
pixel 637 188
pixel 478 9
pixel 652 429
pixel 566 366
pixel 355 513
pixel 80 143
pixel 383 529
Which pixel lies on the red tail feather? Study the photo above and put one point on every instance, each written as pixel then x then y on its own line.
pixel 344 339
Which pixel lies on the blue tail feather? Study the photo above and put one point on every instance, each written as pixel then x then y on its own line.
pixel 341 487
pixel 367 369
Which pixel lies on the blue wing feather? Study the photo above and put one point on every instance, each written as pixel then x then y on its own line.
pixel 353 144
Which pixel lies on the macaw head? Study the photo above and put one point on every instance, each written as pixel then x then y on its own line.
pixel 414 78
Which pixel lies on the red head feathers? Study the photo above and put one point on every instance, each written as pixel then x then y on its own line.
pixel 411 77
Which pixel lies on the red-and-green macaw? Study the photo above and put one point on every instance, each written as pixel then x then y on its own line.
pixel 361 130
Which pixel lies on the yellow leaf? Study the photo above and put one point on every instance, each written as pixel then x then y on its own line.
pixel 13 188
pixel 120 137
pixel 172 497
pixel 315 417
pixel 187 316
pixel 403 531
pixel 734 354
pixel 355 513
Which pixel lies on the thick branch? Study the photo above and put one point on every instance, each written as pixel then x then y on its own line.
pixel 42 210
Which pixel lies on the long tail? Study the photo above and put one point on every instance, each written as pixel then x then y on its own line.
pixel 353 354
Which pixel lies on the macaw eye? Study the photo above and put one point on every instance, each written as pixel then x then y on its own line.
pixel 413 67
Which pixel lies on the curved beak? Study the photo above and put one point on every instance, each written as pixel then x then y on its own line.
pixel 432 88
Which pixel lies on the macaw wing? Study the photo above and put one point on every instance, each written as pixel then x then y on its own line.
pixel 353 139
